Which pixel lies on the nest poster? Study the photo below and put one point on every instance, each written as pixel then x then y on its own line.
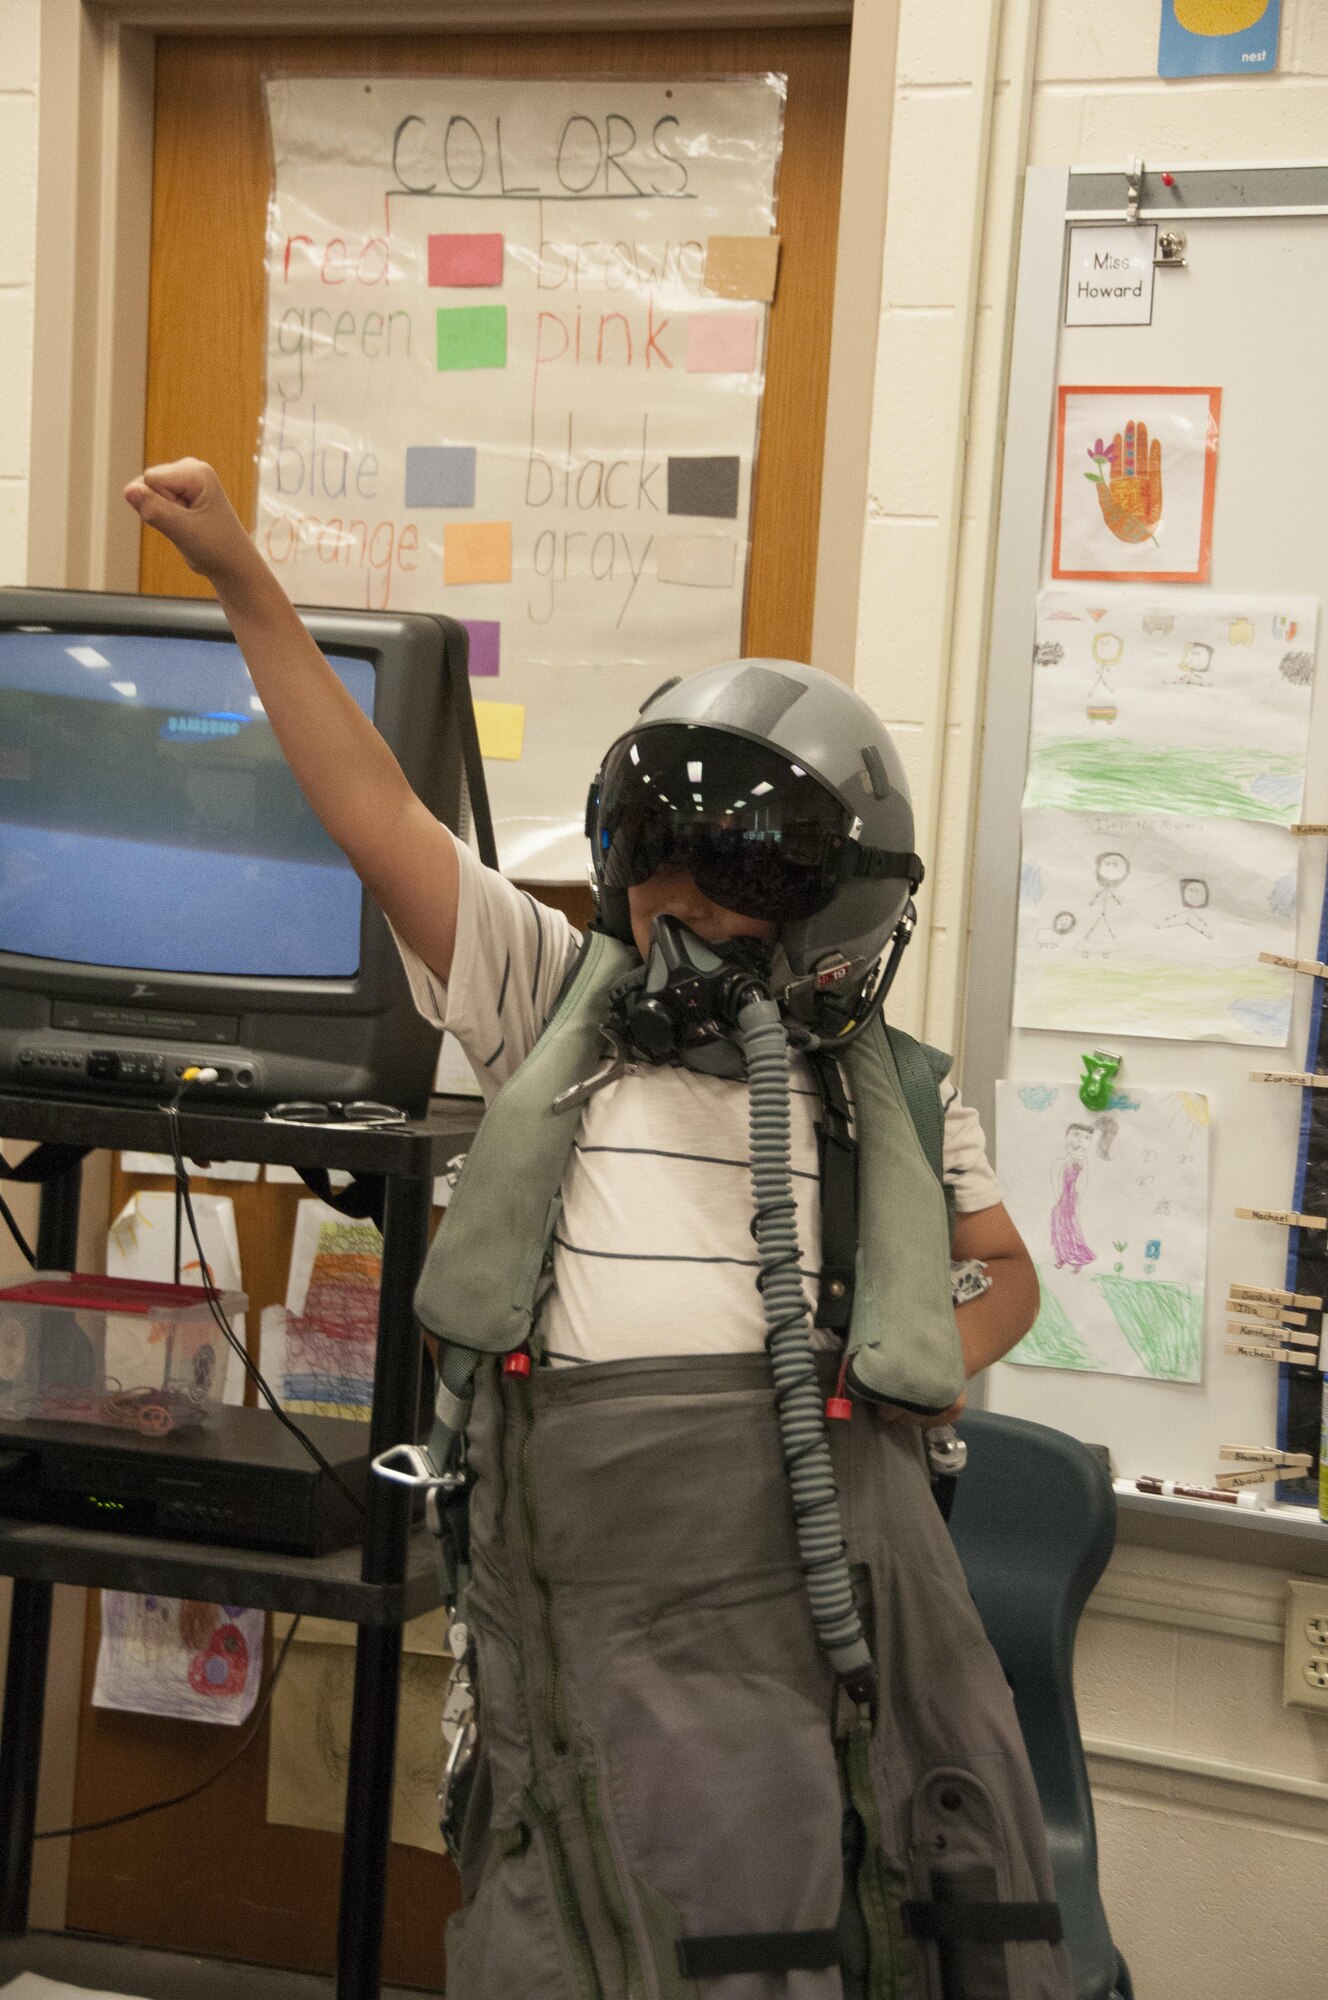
pixel 1136 472
pixel 1113 1206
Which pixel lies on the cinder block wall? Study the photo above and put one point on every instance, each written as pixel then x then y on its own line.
pixel 1211 1798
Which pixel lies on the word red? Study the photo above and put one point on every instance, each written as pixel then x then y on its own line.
pixel 337 261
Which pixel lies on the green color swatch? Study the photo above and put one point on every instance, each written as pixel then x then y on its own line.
pixel 472 337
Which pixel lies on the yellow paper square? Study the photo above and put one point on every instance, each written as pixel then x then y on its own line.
pixel 477 552
pixel 502 727
pixel 742 267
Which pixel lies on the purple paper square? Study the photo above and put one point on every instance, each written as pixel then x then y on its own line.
pixel 483 645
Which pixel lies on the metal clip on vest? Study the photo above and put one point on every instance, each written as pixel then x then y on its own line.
pixel 437 1467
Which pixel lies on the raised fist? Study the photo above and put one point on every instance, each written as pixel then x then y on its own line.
pixel 187 503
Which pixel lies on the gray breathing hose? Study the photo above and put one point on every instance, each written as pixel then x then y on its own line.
pixel 798 1402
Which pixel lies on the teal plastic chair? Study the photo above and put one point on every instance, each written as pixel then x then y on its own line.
pixel 1033 1520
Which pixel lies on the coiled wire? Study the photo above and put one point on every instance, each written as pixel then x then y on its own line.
pixel 764 1043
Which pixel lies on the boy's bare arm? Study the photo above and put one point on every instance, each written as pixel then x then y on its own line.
pixel 402 854
pixel 991 1325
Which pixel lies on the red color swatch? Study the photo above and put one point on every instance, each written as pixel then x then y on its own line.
pixel 466 260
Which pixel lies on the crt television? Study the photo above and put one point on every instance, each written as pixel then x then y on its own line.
pixel 167 897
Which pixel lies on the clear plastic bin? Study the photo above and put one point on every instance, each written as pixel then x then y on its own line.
pixel 85 1349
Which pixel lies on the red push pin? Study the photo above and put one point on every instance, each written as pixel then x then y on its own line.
pixel 517 1362
pixel 1168 180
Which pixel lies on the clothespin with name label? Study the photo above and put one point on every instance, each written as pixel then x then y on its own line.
pixel 1259 1331
pixel 1313 967
pixel 1271 1296
pixel 1273 1344
pixel 1269 1463
pixel 1290 1218
pixel 1254 1309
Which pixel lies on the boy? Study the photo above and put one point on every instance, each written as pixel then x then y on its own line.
pixel 671 1797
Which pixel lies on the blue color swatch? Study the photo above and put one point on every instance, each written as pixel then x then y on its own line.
pixel 440 475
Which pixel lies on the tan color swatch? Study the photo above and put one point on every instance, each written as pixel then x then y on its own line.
pixel 742 267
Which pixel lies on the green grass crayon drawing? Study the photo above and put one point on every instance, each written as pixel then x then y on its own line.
pixel 1162 1322
pixel 1051 1341
pixel 1079 774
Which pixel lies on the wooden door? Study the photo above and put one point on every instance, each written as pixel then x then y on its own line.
pixel 213 1876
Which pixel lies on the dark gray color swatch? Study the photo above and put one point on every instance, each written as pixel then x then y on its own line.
pixel 704 486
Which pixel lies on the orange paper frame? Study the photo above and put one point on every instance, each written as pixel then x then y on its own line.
pixel 1199 575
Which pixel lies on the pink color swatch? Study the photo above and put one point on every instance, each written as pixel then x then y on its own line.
pixel 466 260
pixel 722 343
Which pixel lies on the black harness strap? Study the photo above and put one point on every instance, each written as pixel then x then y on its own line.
pixel 757 1951
pixel 837 1149
pixel 362 1200
pixel 984 1923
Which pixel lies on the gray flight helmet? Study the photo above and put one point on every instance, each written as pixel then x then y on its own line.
pixel 828 731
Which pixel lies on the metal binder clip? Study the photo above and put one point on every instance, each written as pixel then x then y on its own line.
pixel 1134 181
pixel 1170 250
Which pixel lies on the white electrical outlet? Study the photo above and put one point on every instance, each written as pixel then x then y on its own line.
pixel 1305 1679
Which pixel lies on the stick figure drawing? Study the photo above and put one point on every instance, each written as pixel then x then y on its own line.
pixel 1193 901
pixel 1195 663
pixel 1112 870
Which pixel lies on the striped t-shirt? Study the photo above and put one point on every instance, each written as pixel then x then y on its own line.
pixel 653 1253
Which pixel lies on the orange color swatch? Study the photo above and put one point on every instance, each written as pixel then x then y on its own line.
pixel 477 552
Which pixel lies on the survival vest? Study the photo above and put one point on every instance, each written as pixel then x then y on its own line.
pixel 480 1283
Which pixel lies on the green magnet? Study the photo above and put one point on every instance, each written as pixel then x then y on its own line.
pixel 1099 1077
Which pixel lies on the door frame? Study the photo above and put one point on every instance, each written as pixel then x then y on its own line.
pixel 94 223
pixel 89 377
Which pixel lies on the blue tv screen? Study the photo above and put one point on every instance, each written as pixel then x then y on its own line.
pixel 148 819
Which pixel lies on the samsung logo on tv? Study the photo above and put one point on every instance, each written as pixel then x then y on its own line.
pixel 195 728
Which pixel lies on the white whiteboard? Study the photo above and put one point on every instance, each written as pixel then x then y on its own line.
pixel 1248 312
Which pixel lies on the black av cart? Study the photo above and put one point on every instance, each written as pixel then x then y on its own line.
pixel 378 1586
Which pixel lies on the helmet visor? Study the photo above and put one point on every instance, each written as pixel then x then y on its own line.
pixel 757 833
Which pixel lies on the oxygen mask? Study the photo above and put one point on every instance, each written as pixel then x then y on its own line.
pixel 688 994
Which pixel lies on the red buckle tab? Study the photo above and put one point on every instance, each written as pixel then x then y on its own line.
pixel 517 1363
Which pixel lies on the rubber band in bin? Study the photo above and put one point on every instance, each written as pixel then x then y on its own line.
pixel 75 1347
